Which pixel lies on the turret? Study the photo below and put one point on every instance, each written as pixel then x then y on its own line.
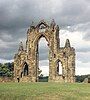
pixel 21 47
pixel 52 25
pixel 67 44
pixel 32 26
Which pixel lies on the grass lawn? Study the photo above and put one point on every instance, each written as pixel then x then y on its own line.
pixel 44 91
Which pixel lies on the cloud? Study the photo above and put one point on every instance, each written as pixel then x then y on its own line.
pixel 17 14
pixel 44 66
pixel 6 61
pixel 83 57
pixel 82 68
pixel 81 27
pixel 45 70
pixel 73 17
pixel 5 36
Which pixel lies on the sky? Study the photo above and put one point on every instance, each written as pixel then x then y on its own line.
pixel 72 16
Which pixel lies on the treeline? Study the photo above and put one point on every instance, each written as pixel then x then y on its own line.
pixel 6 69
pixel 43 78
pixel 81 78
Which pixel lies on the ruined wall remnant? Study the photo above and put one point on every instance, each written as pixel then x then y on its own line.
pixel 26 62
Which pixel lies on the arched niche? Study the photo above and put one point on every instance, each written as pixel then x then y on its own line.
pixel 59 68
pixel 25 70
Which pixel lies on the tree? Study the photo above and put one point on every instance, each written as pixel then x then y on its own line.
pixel 39 71
pixel 41 75
pixel 81 78
pixel 10 66
pixel 5 70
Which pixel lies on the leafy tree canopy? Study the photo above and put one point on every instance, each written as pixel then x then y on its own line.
pixel 6 69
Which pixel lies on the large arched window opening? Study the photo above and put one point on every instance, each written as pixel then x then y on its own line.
pixel 59 67
pixel 43 50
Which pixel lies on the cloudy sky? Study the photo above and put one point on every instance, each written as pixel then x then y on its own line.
pixel 73 17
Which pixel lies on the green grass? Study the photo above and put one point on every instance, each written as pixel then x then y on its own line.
pixel 44 91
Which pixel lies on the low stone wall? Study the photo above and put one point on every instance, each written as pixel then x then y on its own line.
pixel 59 79
pixel 25 79
pixel 6 79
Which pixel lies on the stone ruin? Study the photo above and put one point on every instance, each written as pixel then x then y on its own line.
pixel 87 79
pixel 26 62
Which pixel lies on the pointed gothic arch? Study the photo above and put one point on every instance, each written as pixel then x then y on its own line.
pixel 59 67
pixel 25 69
pixel 38 37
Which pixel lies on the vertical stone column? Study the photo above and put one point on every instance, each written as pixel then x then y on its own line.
pixel 33 65
pixel 52 56
pixel 15 66
pixel 50 65
pixel 65 65
pixel 71 68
